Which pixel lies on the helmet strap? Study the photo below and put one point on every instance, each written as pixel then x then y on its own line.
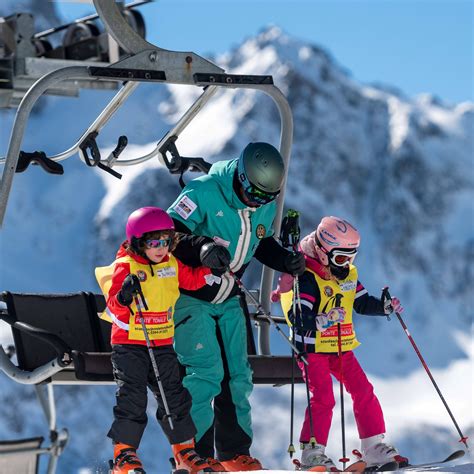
pixel 320 252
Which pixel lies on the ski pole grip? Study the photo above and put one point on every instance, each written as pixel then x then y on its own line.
pixel 385 294
pixel 386 297
pixel 142 298
pixel 138 291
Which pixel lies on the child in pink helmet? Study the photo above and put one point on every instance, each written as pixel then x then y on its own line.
pixel 144 264
pixel 329 291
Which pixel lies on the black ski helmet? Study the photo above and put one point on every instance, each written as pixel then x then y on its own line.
pixel 261 171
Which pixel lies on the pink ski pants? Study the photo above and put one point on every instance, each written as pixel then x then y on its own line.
pixel 367 411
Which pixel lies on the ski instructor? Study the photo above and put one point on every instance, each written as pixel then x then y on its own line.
pixel 226 218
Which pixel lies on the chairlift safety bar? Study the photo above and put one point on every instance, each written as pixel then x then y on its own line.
pixel 148 62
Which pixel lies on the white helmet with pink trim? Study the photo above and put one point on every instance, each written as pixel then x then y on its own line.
pixel 336 241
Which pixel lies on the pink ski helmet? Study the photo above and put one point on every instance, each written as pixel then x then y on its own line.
pixel 337 241
pixel 147 219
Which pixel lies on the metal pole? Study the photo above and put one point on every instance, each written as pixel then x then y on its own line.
pixel 21 118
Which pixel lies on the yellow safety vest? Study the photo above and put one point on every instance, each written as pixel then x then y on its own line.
pixel 327 341
pixel 161 291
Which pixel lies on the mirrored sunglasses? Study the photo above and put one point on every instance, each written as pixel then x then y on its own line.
pixel 157 243
pixel 342 258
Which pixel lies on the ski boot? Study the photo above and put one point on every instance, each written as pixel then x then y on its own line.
pixel 187 461
pixel 381 457
pixel 125 460
pixel 313 459
pixel 242 462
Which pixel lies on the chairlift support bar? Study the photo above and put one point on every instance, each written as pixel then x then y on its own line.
pixel 58 439
pixel 24 377
pixel 178 68
pixel 93 16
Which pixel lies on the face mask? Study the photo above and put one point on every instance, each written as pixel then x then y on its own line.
pixel 341 273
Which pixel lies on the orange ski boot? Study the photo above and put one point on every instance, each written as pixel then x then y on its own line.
pixel 188 461
pixel 126 460
pixel 242 462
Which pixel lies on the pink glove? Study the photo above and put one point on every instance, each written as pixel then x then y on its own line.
pixel 396 305
pixel 392 305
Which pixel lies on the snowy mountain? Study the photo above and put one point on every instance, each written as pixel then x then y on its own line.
pixel 399 168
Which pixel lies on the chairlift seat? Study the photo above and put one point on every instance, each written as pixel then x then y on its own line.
pixel 74 319
pixel 20 455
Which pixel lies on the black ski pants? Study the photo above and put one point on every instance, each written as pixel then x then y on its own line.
pixel 133 373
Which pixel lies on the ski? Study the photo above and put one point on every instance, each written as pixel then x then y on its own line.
pixel 389 466
pixel 358 466
pixel 130 471
pixel 456 455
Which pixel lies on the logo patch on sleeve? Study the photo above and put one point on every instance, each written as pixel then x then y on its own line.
pixel 185 207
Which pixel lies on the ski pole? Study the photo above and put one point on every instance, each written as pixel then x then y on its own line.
pixel 386 294
pixel 344 459
pixel 265 314
pixel 296 296
pixel 140 300
pixel 290 237
pixel 291 447
pixel 289 233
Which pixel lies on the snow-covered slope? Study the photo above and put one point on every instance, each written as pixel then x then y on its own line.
pixel 399 168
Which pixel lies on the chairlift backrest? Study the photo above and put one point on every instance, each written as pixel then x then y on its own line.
pixel 70 317
pixel 20 456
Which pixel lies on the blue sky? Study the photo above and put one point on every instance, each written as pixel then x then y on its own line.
pixel 415 45
pixel 418 45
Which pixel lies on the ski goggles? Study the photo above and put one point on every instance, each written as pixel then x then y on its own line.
pixel 342 258
pixel 157 243
pixel 258 196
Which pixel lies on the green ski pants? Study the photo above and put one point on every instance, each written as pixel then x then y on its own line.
pixel 199 351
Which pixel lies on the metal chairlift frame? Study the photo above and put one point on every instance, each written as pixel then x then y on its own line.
pixel 145 63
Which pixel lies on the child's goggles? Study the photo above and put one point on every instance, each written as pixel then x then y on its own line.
pixel 342 258
pixel 157 243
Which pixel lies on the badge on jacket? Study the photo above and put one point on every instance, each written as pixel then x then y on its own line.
pixel 260 231
pixel 166 272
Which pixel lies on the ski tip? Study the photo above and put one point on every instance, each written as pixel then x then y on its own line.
pixel 456 455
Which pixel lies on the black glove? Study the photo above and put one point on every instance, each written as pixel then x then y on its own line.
pixel 295 263
pixel 130 287
pixel 215 256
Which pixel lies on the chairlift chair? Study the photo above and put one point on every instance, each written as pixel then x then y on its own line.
pixel 59 338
